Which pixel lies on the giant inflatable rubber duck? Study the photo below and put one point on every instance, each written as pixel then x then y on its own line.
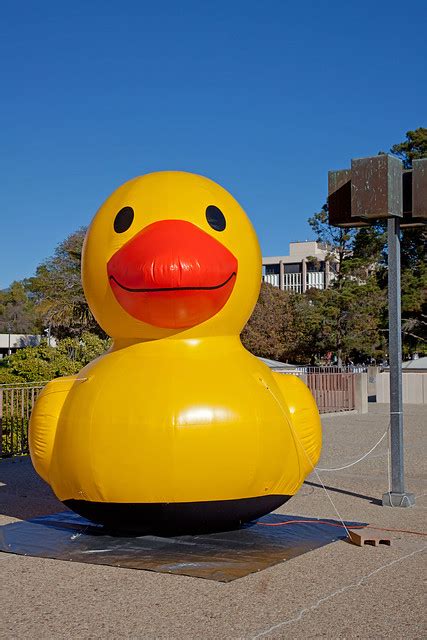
pixel 177 427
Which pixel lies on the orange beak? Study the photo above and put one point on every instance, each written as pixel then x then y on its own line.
pixel 172 275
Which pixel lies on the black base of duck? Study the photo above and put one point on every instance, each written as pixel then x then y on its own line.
pixel 177 517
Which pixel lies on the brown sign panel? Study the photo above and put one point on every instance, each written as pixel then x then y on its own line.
pixel 407 193
pixel 376 187
pixel 339 200
pixel 415 195
pixel 419 190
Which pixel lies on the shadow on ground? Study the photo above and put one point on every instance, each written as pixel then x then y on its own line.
pixel 345 492
pixel 23 494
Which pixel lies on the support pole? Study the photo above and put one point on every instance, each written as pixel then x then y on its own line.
pixel 304 275
pixel 397 496
pixel 281 275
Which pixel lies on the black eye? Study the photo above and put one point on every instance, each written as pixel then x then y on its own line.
pixel 215 218
pixel 123 219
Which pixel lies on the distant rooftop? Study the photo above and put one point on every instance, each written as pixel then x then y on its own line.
pixel 18 340
pixel 321 245
pixel 276 365
pixel 299 250
pixel 416 363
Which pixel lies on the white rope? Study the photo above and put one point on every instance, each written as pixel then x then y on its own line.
pixel 13 385
pixel 329 498
pixel 36 383
pixel 295 434
pixel 321 481
pixel 365 455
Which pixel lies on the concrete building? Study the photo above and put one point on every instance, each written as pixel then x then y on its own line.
pixel 309 265
pixel 11 342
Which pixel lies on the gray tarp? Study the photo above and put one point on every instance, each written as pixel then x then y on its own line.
pixel 222 556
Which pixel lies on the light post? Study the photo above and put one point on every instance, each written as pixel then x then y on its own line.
pixel 378 188
pixel 9 329
pixel 397 497
pixel 47 332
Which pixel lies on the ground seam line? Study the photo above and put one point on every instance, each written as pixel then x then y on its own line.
pixel 316 605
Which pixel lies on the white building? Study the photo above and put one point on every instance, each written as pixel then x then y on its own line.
pixel 309 265
pixel 11 342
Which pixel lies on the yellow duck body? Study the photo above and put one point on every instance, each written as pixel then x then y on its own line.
pixel 177 426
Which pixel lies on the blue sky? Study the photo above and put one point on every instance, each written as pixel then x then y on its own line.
pixel 262 96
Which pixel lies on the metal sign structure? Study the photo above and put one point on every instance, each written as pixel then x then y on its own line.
pixel 378 188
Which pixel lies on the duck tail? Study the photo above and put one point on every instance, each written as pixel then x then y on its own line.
pixel 305 419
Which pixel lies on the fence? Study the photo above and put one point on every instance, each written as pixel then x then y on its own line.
pixel 332 391
pixel 414 387
pixel 16 404
pixel 332 368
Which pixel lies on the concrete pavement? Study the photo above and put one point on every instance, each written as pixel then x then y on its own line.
pixel 338 591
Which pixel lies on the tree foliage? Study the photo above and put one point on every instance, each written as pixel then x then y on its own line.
pixel 302 328
pixel 44 362
pixel 58 292
pixel 17 310
pixel 413 148
pixel 413 257
pixel 338 241
pixel 270 333
pixel 349 319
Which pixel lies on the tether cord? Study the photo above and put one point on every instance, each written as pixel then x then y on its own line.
pixel 289 421
pixel 351 464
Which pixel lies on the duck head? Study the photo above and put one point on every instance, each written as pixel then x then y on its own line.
pixel 171 253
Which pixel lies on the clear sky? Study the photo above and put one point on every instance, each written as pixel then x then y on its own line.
pixel 263 96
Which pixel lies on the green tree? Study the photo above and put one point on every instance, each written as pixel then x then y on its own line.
pixel 268 330
pixel 414 291
pixel 284 326
pixel 413 148
pixel 348 319
pixel 44 362
pixel 58 292
pixel 337 241
pixel 413 257
pixel 347 316
pixel 17 310
pixel 304 347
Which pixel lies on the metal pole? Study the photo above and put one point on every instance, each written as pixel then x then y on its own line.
pixel 397 496
pixel 281 275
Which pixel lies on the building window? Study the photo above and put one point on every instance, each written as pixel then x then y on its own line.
pixel 292 268
pixel 272 269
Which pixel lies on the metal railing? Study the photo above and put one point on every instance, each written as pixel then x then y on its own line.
pixel 332 390
pixel 16 404
pixel 332 368
pixel 294 281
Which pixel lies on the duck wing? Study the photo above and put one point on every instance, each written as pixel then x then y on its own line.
pixel 305 419
pixel 44 421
